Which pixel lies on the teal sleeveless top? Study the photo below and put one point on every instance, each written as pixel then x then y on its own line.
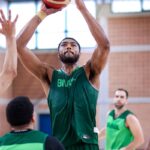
pixel 31 140
pixel 117 134
pixel 72 101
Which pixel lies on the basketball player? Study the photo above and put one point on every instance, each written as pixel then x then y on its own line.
pixel 20 116
pixel 123 130
pixel 9 68
pixel 72 91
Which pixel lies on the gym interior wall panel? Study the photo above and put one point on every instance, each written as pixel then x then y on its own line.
pixel 129 30
pixel 130 70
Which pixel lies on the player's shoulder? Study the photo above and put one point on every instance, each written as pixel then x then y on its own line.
pixel 131 118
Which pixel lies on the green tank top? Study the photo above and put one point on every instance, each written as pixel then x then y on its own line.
pixel 72 101
pixel 30 140
pixel 117 134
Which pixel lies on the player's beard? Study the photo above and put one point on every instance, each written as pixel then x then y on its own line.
pixel 119 106
pixel 69 60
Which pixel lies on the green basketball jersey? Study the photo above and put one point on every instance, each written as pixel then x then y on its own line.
pixel 117 134
pixel 72 101
pixel 31 140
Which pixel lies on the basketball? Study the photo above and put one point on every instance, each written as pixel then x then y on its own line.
pixel 56 4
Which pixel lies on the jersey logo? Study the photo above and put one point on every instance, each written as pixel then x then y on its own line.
pixel 65 83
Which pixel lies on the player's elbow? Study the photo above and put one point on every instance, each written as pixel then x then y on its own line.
pixel 107 47
pixel 141 140
pixel 12 73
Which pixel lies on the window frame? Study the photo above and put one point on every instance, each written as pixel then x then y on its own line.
pixel 64 33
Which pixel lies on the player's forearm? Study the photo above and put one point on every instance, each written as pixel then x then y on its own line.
pixel 10 61
pixel 95 29
pixel 27 32
pixel 9 70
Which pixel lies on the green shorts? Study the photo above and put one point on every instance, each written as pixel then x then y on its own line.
pixel 83 146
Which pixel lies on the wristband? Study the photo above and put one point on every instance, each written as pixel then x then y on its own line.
pixel 41 15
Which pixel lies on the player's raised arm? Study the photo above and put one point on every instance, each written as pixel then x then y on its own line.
pixel 99 57
pixel 9 68
pixel 27 57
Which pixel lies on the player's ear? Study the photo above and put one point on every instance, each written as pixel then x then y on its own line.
pixel 33 117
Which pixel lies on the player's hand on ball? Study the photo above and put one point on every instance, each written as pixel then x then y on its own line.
pixel 49 11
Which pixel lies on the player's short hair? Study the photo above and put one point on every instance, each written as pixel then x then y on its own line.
pixel 71 39
pixel 19 111
pixel 126 92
